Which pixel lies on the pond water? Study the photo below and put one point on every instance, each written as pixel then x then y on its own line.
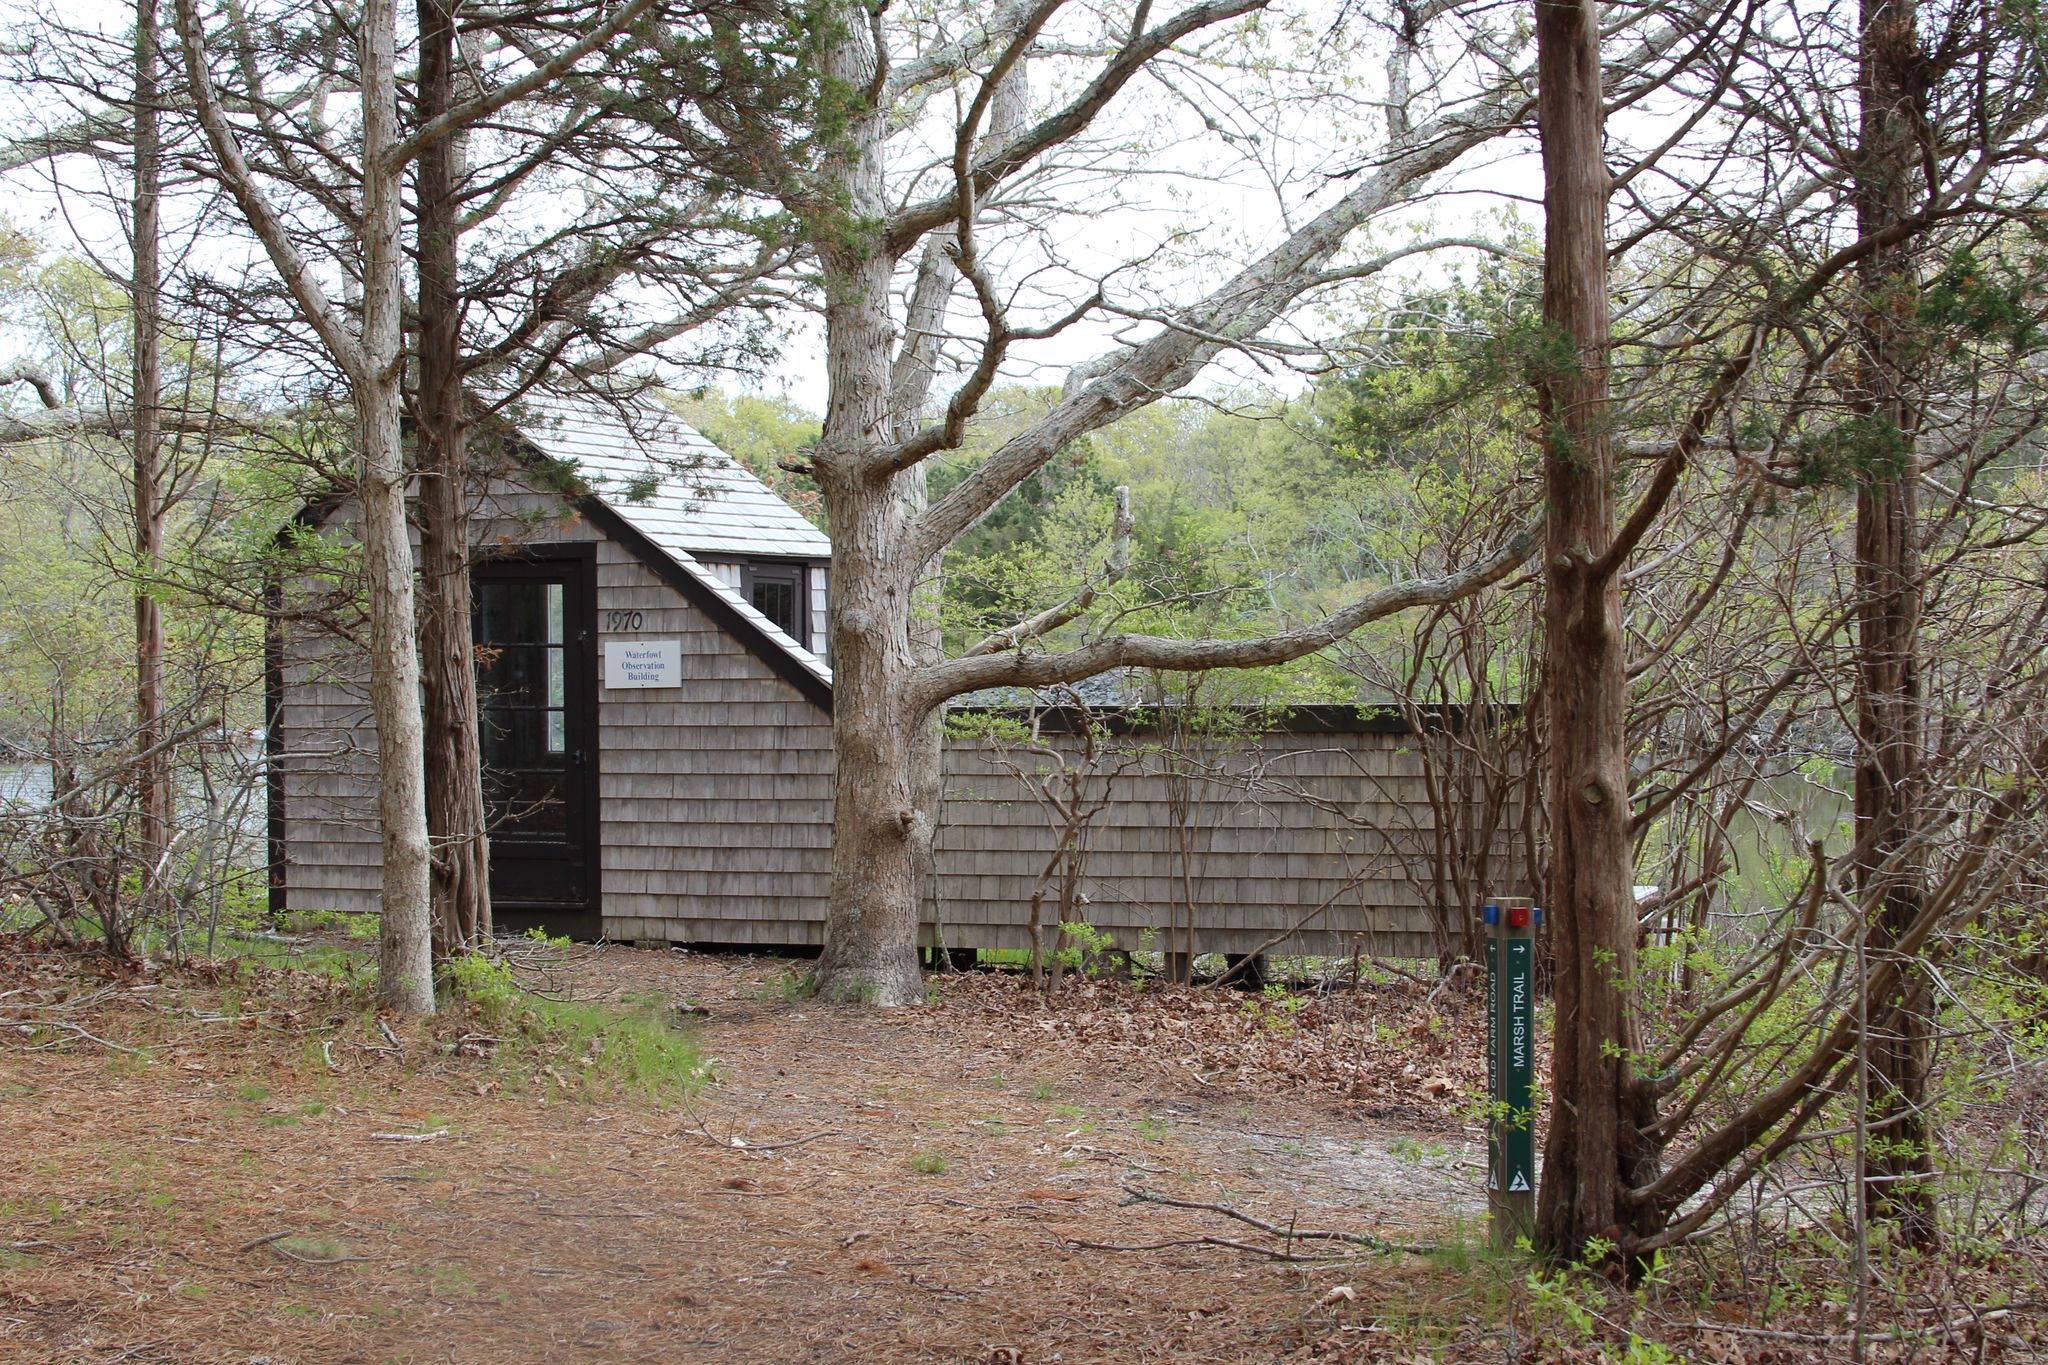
pixel 28 786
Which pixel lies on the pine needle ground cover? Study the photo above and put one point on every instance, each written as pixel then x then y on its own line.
pixel 671 1157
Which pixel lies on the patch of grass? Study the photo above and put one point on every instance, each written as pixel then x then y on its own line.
pixel 1068 1111
pixel 253 1092
pixel 1041 1090
pixel 930 1163
pixel 787 986
pixel 128 1063
pixel 596 1047
pixel 452 1280
pixel 354 924
pixel 11 1259
pixel 625 1049
pixel 348 965
pixel 1417 1153
pixel 1152 1128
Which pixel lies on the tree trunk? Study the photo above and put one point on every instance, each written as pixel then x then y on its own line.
pixel 1890 876
pixel 153 769
pixel 454 766
pixel 405 958
pixel 1596 1150
pixel 871 926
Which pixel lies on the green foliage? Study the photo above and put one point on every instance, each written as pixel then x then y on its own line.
pixel 1275 1008
pixel 1854 450
pixel 1447 367
pixel 764 434
pixel 631 1046
pixel 1985 299
pixel 930 1163
pixel 1084 948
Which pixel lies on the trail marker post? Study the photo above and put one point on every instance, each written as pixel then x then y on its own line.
pixel 1511 1069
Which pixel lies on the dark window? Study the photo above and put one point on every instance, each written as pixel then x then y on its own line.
pixel 522 703
pixel 778 592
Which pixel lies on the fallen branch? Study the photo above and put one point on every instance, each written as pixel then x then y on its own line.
pixel 314 1260
pixel 1138 1194
pixel 409 1137
pixel 1899 1334
pixel 740 1144
pixel 1230 1243
pixel 81 1033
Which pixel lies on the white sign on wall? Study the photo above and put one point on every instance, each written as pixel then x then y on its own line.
pixel 643 663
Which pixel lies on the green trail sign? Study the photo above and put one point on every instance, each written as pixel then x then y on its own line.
pixel 1511 1069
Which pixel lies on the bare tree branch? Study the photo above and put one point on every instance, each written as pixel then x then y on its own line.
pixel 491 101
pixel 938 682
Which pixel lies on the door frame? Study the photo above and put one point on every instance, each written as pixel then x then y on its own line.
pixel 580 702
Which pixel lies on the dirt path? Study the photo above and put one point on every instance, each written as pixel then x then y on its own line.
pixel 943 1164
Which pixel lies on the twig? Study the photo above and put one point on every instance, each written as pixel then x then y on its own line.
pixel 409 1137
pixel 265 1240
pixel 391 1037
pixel 1139 1194
pixel 315 1260
pixel 739 1144
pixel 89 1037
pixel 1229 1242
pixel 1896 1335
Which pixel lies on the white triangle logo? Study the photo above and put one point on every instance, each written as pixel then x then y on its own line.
pixel 1521 1182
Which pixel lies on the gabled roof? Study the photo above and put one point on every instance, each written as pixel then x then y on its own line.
pixel 658 473
pixel 710 594
pixel 668 496
pixel 673 499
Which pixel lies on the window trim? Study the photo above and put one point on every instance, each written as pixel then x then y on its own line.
pixel 797 574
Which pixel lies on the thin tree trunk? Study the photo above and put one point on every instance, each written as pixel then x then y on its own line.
pixel 1595 1151
pixel 372 355
pixel 1890 877
pixel 153 768
pixel 405 959
pixel 454 767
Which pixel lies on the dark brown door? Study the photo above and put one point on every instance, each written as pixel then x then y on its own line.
pixel 535 627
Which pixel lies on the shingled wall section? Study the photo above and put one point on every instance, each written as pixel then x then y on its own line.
pixel 716 803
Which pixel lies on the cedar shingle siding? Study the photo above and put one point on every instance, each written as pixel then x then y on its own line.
pixel 715 797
